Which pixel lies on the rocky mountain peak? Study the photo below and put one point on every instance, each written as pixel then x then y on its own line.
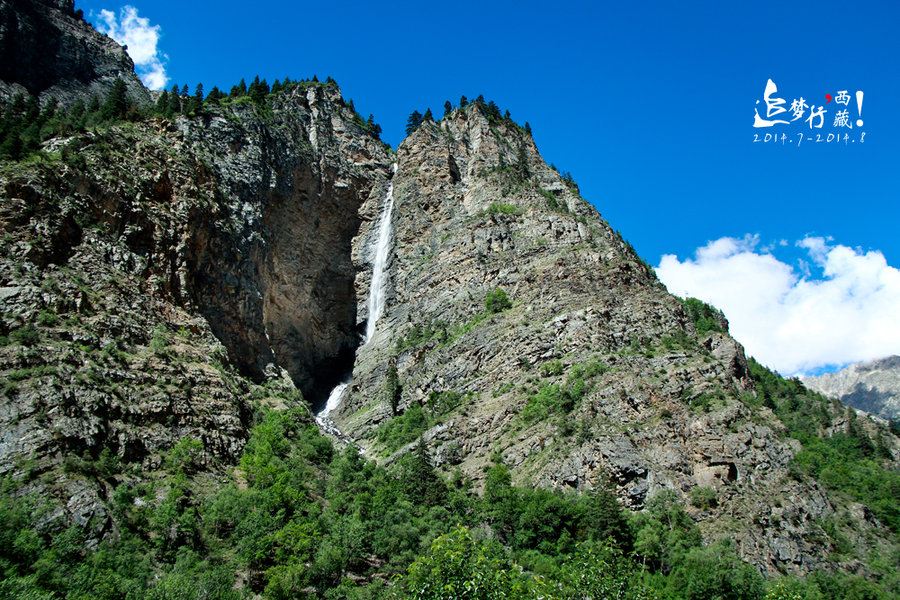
pixel 49 51
pixel 872 386
pixel 518 326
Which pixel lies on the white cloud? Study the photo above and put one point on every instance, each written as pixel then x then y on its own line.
pixel 142 39
pixel 788 320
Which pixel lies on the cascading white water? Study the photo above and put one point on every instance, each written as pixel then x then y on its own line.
pixel 377 288
pixel 334 399
pixel 377 292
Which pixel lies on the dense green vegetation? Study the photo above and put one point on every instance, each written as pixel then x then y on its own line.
pixel 847 460
pixel 301 520
pixel 706 318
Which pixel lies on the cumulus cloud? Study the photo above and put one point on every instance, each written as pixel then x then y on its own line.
pixel 842 305
pixel 142 39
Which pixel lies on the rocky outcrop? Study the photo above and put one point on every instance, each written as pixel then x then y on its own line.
pixel 49 51
pixel 872 386
pixel 659 407
pixel 273 273
pixel 143 275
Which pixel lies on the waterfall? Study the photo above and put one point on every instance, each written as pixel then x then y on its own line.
pixel 377 292
pixel 377 288
pixel 334 399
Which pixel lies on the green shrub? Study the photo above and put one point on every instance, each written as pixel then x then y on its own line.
pixel 497 301
pixel 419 335
pixel 703 497
pixel 506 209
pixel 553 398
pixel 590 369
pixel 706 318
pixel 27 335
pixel 160 342
pixel 552 203
pixel 443 402
pixel 185 455
pixel 552 368
pixel 46 318
pixel 403 429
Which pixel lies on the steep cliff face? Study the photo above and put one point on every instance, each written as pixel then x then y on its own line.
pixel 595 372
pixel 275 278
pixel 47 51
pixel 158 252
pixel 872 386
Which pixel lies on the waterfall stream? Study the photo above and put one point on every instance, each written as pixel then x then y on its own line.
pixel 378 285
pixel 377 293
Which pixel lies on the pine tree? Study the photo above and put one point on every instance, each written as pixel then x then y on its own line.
pixel 428 116
pixel 258 90
pixel 493 111
pixel 12 148
pixel 420 480
pixel 239 90
pixel 448 108
pixel 522 162
pixel 116 103
pixel 33 109
pixel 527 128
pixel 415 119
pixel 393 389
pixel 49 111
pixel 196 103
pixel 162 103
pixel 75 117
pixel 372 126
pixel 93 105
pixel 174 102
pixel 463 102
pixel 214 95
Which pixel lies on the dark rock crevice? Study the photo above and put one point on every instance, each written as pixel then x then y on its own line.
pixel 285 296
pixel 271 265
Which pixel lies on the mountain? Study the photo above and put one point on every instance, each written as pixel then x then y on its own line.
pixel 872 386
pixel 594 372
pixel 183 288
pixel 47 50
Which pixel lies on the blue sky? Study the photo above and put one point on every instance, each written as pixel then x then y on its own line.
pixel 649 105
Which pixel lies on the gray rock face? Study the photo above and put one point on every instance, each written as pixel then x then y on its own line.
pixel 872 386
pixel 49 52
pixel 271 268
pixel 127 281
pixel 664 412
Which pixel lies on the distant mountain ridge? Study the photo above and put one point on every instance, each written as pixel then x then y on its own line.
pixel 872 386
